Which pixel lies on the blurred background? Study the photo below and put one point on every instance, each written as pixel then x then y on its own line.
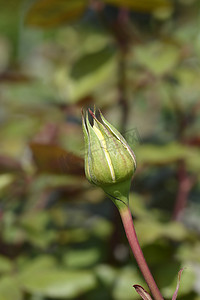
pixel 139 62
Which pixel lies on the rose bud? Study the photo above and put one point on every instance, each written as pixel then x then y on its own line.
pixel 109 160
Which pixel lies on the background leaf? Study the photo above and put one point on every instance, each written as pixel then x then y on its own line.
pixel 9 289
pixel 143 5
pixel 60 284
pixel 52 13
pixel 53 159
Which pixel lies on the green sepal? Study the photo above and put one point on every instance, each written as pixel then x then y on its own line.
pixel 119 193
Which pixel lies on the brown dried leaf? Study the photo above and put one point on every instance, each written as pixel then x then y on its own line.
pixel 141 291
pixel 48 134
pixel 14 77
pixel 53 159
pixel 51 13
pixel 9 165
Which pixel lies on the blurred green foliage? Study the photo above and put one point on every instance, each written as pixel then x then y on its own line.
pixel 139 62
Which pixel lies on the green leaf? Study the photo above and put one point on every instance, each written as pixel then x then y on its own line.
pixel 35 227
pixel 193 161
pixel 9 289
pixel 169 153
pixel 51 13
pixel 123 287
pixel 5 182
pixel 89 63
pixel 43 278
pixel 82 258
pixel 158 252
pixel 150 230
pixel 88 72
pixel 175 231
pixel 11 234
pixel 166 276
pixel 5 264
pixel 106 274
pixel 43 262
pixel 154 154
pixel 189 252
pixel 157 57
pixel 50 181
pixel 137 206
pixel 102 228
pixel 58 283
pixel 4 54
pixel 10 14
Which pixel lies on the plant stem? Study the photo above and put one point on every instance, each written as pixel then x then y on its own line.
pixel 134 244
pixel 185 184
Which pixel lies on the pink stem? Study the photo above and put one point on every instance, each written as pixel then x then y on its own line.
pixel 134 244
pixel 185 184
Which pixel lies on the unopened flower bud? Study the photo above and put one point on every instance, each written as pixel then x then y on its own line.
pixel 109 160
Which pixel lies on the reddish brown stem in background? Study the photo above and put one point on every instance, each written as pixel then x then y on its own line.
pixel 123 101
pixel 134 244
pixel 185 185
pixel 123 38
pixel 121 31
